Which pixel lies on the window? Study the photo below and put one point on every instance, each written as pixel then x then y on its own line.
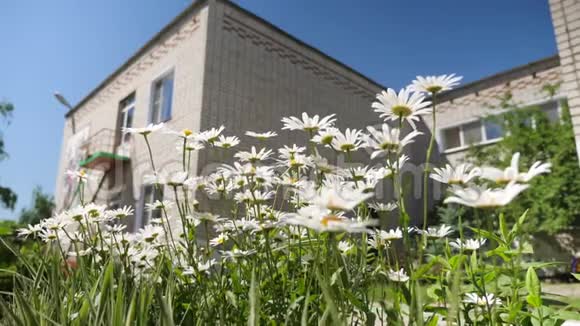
pixel 471 133
pixel 485 130
pixel 493 130
pixel 552 111
pixel 161 99
pixel 451 137
pixel 150 195
pixel 127 109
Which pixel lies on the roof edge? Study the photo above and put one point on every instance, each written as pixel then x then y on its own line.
pixel 500 77
pixel 196 4
pixel 293 38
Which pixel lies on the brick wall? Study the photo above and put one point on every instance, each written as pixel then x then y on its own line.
pixel 481 98
pixel 566 20
pixel 256 74
pixel 181 49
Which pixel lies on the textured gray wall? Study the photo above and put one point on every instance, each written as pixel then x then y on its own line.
pixel 255 75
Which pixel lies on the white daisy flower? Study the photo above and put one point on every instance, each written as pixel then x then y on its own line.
pixel 217 187
pixel 151 128
pixel 482 301
pixel 387 140
pixel 394 166
pixel 261 135
pixel 459 175
pixel 347 142
pixel 512 173
pixel 481 197
pixel 253 155
pixel 29 230
pixel 390 235
pixel 437 232
pixel 325 136
pixel 226 142
pixel 397 276
pixel 219 240
pixel 121 213
pixel 190 146
pixel 435 84
pixel 211 135
pixel 80 175
pixel 289 152
pixel 117 228
pixel 149 233
pixel 469 244
pixel 323 220
pixel 345 247
pixel 335 196
pixel 382 207
pixel 254 197
pixel 177 179
pixel 158 205
pixel 184 133
pixel 406 105
pixel 296 161
pixel 236 253
pixel 309 124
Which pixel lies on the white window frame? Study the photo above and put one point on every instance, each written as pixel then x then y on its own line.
pixel 485 141
pixel 124 115
pixel 160 78
pixel 144 215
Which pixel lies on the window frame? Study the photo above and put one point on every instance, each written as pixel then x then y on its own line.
pixel 126 137
pixel 145 215
pixel 160 79
pixel 440 131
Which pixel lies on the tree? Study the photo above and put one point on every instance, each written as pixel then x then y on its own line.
pixel 553 202
pixel 42 207
pixel 7 196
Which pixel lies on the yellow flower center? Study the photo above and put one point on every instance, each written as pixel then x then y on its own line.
pixel 434 89
pixel 329 218
pixel 187 132
pixel 401 110
pixel 326 140
pixel 347 147
pixel 389 147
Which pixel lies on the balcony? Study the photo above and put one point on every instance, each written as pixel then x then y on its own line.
pixel 102 151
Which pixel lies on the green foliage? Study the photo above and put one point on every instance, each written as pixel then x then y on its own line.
pixel 7 196
pixel 42 207
pixel 553 203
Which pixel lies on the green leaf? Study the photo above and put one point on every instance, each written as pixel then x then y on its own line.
pixel 503 228
pixel 106 286
pixel 534 288
pixel 488 235
pixel 8 312
pixel 165 305
pixel 433 321
pixel 131 312
pixel 331 306
pixel 335 276
pixel 520 222
pixel 253 319
pixel 576 276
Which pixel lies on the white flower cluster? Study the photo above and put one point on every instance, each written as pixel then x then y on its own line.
pixel 322 197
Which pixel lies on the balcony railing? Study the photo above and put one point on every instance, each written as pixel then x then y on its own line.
pixel 102 150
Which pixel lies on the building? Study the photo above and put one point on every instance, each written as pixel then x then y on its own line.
pixel 217 63
pixel 214 64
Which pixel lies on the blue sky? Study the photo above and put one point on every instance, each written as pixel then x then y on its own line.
pixel 70 46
